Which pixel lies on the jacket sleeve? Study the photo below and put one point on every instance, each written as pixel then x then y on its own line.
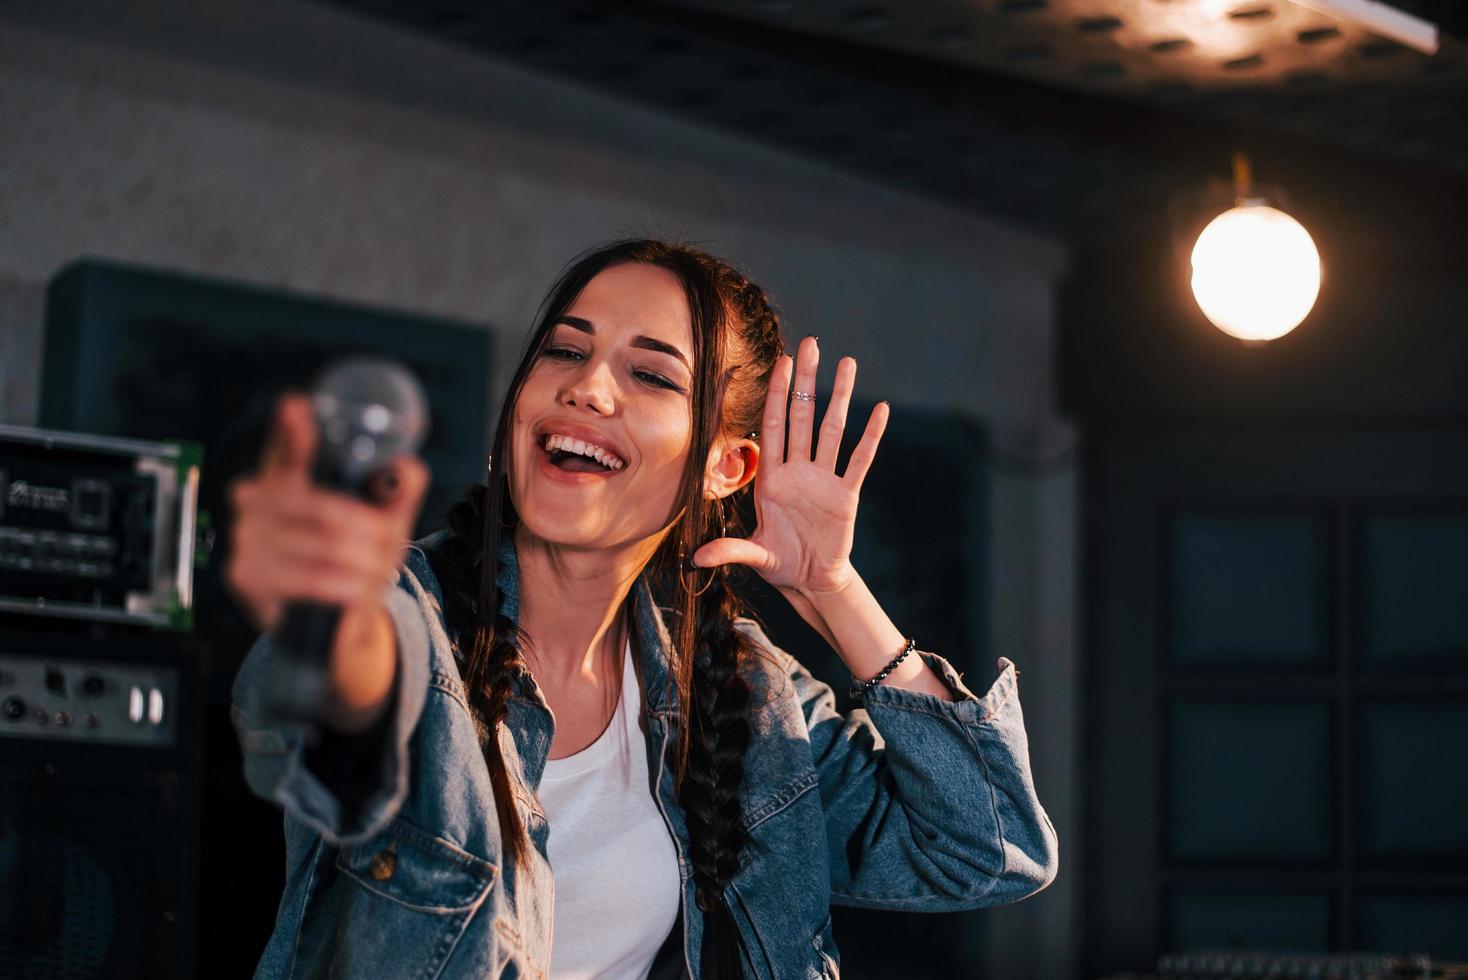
pixel 929 804
pixel 346 788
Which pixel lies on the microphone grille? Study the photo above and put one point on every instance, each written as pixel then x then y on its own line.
pixel 376 396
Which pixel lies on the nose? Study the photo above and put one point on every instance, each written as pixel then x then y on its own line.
pixel 590 387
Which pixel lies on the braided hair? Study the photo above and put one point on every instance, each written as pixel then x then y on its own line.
pixel 736 342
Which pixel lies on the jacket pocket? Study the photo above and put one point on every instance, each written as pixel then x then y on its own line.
pixel 749 938
pixel 409 896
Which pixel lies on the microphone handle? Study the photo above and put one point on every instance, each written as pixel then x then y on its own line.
pixel 296 685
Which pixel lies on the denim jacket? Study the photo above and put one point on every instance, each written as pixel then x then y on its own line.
pixel 910 802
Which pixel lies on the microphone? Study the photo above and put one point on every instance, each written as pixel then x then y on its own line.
pixel 367 410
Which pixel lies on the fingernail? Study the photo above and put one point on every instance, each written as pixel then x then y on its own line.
pixel 387 486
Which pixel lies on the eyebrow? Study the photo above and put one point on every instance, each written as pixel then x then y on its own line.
pixel 642 340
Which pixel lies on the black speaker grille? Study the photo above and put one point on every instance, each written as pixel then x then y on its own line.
pixel 89 871
pixel 58 912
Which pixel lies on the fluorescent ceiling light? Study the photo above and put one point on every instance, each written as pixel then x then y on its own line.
pixel 1381 19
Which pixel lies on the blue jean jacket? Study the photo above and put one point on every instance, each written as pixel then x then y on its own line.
pixel 910 803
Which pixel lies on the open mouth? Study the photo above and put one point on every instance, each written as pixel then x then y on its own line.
pixel 573 456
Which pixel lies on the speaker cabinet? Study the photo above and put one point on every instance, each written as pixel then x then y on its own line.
pixel 100 758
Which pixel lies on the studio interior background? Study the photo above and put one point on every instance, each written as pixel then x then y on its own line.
pixel 1233 573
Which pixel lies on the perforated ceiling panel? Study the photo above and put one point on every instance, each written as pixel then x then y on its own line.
pixel 1138 47
pixel 1053 113
pixel 1274 63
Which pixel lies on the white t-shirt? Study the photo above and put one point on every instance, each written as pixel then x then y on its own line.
pixel 616 872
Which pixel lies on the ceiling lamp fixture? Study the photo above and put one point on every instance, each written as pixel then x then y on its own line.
pixel 1256 272
pixel 1381 18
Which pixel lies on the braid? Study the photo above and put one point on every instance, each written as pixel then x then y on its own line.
pixel 718 727
pixel 492 658
pixel 717 733
pixel 718 736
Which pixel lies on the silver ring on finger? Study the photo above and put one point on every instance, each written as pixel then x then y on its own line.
pixel 804 396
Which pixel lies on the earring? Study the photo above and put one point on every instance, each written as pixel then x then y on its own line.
pixel 488 480
pixel 714 571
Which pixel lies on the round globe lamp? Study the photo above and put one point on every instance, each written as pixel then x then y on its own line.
pixel 1256 272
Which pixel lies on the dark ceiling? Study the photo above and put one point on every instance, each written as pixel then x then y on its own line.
pixel 1056 114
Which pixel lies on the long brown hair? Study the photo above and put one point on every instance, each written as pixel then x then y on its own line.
pixel 736 341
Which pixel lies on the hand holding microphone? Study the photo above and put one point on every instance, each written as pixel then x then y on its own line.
pixel 320 530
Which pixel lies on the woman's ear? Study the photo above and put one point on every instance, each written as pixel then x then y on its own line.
pixel 732 464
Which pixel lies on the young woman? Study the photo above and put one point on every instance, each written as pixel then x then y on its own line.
pixel 558 744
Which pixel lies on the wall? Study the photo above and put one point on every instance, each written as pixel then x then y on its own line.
pixel 297 146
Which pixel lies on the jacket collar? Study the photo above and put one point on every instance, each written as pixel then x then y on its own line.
pixel 652 643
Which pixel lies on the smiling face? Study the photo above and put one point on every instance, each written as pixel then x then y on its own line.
pixel 614 372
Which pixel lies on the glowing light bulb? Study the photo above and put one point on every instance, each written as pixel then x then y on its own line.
pixel 1256 272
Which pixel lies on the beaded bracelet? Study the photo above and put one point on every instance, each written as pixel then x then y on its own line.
pixel 859 689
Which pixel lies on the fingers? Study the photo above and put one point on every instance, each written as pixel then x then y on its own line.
pixel 305 525
pixel 772 427
pixel 833 423
pixel 803 411
pixel 399 488
pixel 308 508
pixel 292 441
pixel 293 541
pixel 725 551
pixel 866 449
pixel 265 588
pixel 284 551
pixel 308 542
pixel 261 580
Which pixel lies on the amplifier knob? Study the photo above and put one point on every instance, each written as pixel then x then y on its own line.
pixel 13 709
pixel 93 685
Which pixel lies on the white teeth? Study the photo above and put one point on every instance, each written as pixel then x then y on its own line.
pixel 604 456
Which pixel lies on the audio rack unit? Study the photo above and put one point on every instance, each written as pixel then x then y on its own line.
pixel 97 527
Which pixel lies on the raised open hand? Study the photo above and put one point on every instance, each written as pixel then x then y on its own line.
pixel 805 514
